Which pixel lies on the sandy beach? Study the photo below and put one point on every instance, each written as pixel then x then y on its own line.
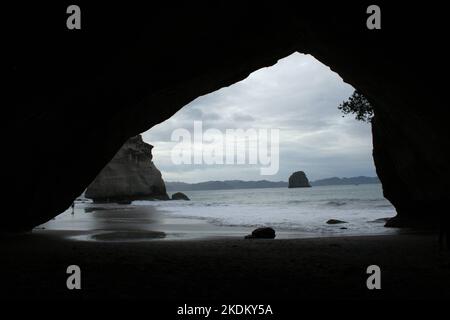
pixel 135 252
pixel 34 266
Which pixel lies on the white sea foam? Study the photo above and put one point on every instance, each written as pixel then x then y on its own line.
pixel 302 209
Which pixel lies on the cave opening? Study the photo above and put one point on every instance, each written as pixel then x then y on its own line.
pixel 298 97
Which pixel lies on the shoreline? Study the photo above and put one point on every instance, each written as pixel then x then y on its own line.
pixel 142 252
pixel 97 220
pixel 153 235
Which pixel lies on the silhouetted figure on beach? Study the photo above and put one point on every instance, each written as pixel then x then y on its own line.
pixel 73 208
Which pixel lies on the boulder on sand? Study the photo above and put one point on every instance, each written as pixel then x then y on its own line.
pixel 262 233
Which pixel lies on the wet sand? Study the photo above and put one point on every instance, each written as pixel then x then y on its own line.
pixel 34 266
pixel 110 222
pixel 127 252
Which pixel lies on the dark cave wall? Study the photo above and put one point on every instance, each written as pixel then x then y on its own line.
pixel 77 96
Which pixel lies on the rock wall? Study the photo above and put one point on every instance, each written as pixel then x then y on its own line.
pixel 130 175
pixel 72 93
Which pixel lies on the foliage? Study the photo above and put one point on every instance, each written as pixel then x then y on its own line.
pixel 358 105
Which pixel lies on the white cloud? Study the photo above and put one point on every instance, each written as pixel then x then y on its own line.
pixel 299 95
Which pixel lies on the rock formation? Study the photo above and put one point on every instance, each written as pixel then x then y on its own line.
pixel 180 196
pixel 76 96
pixel 335 221
pixel 298 180
pixel 130 175
pixel 262 233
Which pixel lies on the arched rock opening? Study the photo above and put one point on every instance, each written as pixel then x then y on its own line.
pixel 76 96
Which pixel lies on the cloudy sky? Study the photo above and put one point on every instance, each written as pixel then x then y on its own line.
pixel 299 97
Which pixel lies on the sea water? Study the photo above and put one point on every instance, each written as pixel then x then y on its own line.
pixel 293 213
pixel 304 210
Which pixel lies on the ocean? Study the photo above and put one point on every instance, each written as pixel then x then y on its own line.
pixel 293 213
pixel 305 210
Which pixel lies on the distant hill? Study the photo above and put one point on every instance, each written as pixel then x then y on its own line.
pixel 240 184
pixel 345 181
pixel 224 185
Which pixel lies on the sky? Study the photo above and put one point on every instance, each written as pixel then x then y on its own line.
pixel 299 97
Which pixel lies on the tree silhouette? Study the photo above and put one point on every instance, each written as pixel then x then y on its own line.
pixel 358 105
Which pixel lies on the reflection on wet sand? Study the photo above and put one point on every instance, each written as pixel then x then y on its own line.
pixel 130 223
pixel 128 235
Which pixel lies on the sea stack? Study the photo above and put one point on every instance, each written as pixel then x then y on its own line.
pixel 130 175
pixel 298 180
pixel 180 196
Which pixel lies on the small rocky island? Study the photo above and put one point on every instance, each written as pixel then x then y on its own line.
pixel 180 196
pixel 130 175
pixel 298 180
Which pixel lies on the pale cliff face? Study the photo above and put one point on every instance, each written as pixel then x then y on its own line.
pixel 130 175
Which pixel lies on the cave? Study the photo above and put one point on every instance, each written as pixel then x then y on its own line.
pixel 77 95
